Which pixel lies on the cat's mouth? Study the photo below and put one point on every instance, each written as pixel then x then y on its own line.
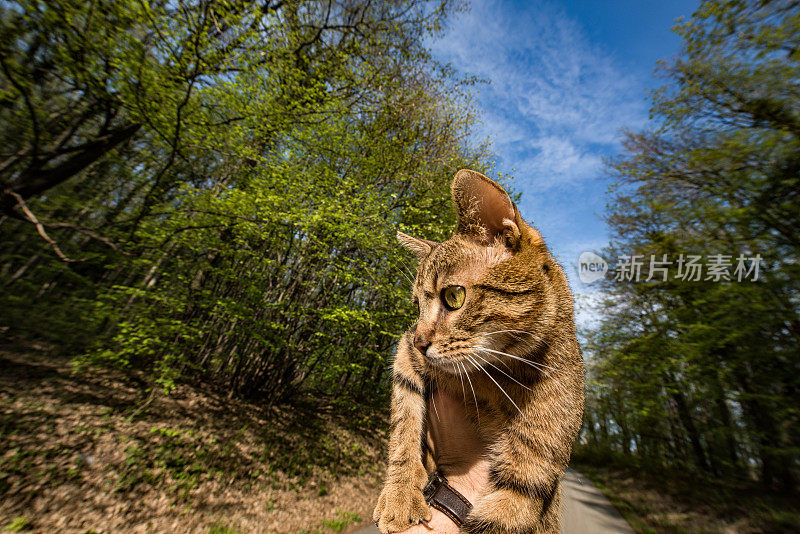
pixel 433 354
pixel 448 359
pixel 464 355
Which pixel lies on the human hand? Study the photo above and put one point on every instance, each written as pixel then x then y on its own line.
pixel 459 453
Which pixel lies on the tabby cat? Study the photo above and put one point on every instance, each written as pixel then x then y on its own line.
pixel 494 309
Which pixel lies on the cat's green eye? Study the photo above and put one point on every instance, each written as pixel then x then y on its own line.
pixel 453 297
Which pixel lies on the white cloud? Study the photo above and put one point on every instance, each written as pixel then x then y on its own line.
pixel 555 103
pixel 560 158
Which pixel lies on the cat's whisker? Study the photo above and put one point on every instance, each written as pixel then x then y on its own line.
pixel 404 273
pixel 532 343
pixel 538 367
pixel 506 365
pixel 461 378
pixel 529 362
pixel 516 334
pixel 546 372
pixel 433 401
pixel 510 330
pixel 409 272
pixel 500 388
pixel 523 360
pixel 404 269
pixel 409 269
pixel 508 375
pixel 466 373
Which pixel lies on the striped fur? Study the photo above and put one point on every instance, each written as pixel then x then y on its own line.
pixel 515 336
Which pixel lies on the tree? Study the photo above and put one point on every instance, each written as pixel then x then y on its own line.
pixel 281 145
pixel 718 358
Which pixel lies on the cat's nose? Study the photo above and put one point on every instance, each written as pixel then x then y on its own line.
pixel 422 342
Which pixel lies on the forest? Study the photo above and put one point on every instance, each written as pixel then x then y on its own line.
pixel 214 188
pixel 207 192
pixel 703 374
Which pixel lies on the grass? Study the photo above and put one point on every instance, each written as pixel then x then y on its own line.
pixel 18 524
pixel 342 521
pixel 221 528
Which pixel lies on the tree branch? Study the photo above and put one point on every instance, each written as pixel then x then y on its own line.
pixel 39 226
pixel 35 181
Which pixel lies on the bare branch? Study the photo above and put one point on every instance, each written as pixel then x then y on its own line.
pixel 39 227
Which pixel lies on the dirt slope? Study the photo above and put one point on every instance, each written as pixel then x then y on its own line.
pixel 87 453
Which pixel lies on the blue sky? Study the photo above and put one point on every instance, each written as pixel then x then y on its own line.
pixel 565 78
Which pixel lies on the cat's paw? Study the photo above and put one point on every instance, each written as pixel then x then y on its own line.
pixel 400 506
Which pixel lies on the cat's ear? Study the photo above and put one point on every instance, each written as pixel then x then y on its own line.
pixel 419 247
pixel 485 211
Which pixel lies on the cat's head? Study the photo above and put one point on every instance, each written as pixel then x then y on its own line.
pixel 490 292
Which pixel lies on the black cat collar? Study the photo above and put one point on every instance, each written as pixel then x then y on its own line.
pixel 444 497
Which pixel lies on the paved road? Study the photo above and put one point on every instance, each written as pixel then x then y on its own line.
pixel 584 510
